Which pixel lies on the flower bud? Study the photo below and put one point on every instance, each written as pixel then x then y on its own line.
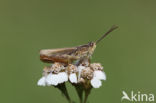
pixel 72 68
pixel 57 67
pixel 87 73
pixel 96 66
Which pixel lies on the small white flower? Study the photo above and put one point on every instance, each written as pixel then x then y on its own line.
pixel 73 78
pixel 62 77
pixel 52 79
pixel 96 83
pixel 42 82
pixel 99 75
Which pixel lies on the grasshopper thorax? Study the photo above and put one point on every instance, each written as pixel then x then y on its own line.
pixel 85 50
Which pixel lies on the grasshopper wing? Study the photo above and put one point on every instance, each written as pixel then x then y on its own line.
pixel 62 55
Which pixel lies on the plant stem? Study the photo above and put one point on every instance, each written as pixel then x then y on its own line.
pixel 79 90
pixel 63 89
pixel 87 92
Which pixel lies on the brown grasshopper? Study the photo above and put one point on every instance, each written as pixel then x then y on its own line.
pixel 68 55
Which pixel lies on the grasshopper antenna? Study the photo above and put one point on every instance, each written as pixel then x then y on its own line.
pixel 110 30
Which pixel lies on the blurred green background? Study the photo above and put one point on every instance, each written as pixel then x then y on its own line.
pixel 127 54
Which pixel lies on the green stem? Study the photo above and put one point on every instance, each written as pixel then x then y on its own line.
pixel 79 90
pixel 63 89
pixel 87 92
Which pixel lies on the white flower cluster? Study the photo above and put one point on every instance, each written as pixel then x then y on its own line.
pixel 59 73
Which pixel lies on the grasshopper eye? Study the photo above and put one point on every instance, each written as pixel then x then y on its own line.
pixel 91 44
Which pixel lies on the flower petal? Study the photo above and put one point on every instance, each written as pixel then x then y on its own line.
pixel 41 82
pixel 62 77
pixel 99 75
pixel 52 79
pixel 73 78
pixel 96 83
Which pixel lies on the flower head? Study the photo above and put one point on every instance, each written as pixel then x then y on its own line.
pixel 84 73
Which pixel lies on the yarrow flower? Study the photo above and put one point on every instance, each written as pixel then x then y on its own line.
pixel 53 75
pixel 72 72
pixel 83 76
pixel 59 73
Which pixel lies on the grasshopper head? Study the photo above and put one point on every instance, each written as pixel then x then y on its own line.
pixel 92 46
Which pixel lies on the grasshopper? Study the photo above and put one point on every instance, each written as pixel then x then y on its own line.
pixel 68 55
